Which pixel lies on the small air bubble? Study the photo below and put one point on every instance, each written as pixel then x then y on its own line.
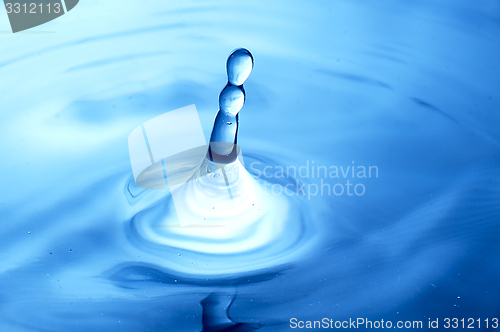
pixel 229 123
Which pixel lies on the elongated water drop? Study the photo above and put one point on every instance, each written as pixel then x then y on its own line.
pixel 239 66
pixel 231 100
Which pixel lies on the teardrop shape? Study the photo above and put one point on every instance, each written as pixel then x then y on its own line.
pixel 239 66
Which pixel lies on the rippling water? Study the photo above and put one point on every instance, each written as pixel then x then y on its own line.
pixel 410 88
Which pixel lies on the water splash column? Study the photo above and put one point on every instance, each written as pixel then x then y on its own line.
pixel 224 138
pixel 221 186
pixel 219 208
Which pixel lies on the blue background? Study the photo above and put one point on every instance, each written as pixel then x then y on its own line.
pixel 409 86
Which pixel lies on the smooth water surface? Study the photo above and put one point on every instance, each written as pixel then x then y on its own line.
pixel 407 93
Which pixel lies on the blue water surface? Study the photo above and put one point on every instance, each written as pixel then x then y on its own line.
pixel 411 88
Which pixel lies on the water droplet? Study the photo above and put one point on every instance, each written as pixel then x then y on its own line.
pixel 29 232
pixel 239 66
pixel 178 254
pixel 231 99
pixel 458 297
pixel 175 280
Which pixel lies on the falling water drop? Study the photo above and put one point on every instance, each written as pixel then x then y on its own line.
pixel 231 100
pixel 239 66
